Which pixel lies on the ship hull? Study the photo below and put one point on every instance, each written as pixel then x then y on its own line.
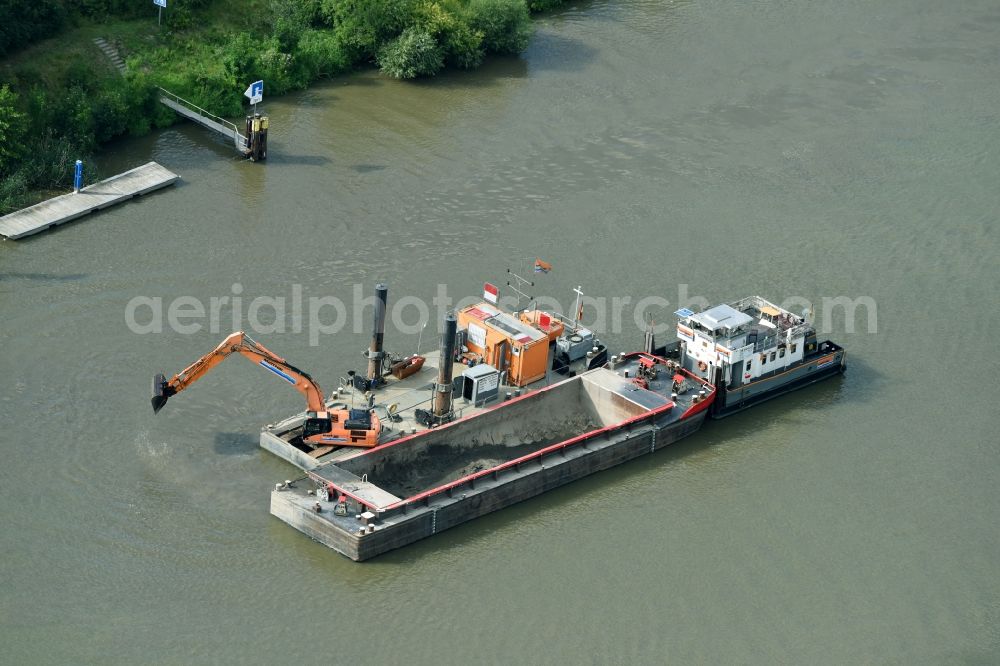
pixel 420 485
pixel 514 485
pixel 731 401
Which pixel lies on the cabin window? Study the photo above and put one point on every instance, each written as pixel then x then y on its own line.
pixel 773 354
pixel 763 359
pixel 794 345
pixel 748 365
pixel 781 353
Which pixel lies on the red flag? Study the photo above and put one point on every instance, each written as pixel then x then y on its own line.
pixel 490 292
pixel 542 266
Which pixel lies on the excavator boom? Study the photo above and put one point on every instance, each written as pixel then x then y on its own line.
pixel 241 343
pixel 322 426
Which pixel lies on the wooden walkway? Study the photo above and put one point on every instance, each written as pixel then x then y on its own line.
pixel 204 118
pixel 68 207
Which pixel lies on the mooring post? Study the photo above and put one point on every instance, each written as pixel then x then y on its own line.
pixel 78 176
pixel 257 137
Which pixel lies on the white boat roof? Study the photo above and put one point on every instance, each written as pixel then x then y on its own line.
pixel 721 316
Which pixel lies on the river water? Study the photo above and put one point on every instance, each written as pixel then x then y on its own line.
pixel 644 148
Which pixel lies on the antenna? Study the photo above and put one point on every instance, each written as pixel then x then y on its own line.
pixel 576 311
pixel 419 336
pixel 520 283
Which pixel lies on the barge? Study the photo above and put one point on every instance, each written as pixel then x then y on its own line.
pixel 379 499
pixel 487 356
pixel 513 404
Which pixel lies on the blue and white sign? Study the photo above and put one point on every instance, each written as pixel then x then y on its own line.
pixel 684 312
pixel 255 92
pixel 160 3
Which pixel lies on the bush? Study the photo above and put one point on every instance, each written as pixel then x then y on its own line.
pixel 291 18
pixel 461 45
pixel 12 190
pixel 322 54
pixel 505 24
pixel 52 159
pixel 412 54
pixel 363 26
pixel 24 22
pixel 11 129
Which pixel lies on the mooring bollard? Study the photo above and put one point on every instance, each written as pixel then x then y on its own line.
pixel 256 128
pixel 78 176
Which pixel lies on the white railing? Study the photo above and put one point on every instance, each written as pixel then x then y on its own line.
pixel 237 137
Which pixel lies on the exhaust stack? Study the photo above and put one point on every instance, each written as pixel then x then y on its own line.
pixel 442 392
pixel 375 353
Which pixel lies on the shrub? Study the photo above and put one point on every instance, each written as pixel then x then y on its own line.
pixel 322 54
pixel 461 45
pixel 11 129
pixel 291 18
pixel 412 54
pixel 363 26
pixel 12 189
pixel 24 22
pixel 505 24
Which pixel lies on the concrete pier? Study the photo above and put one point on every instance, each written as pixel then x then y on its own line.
pixel 100 195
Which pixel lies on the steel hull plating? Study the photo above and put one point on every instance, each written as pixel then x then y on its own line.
pixel 513 485
pixel 731 401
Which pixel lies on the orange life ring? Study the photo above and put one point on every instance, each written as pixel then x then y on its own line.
pixel 702 366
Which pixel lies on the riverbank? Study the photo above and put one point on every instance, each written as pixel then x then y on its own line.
pixel 61 98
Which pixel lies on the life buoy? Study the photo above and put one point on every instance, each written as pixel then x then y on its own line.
pixel 702 366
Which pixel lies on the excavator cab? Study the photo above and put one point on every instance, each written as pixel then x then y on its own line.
pixel 316 423
pixel 358 419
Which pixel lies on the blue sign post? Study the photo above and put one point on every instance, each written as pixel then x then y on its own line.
pixel 255 92
pixel 78 176
pixel 159 12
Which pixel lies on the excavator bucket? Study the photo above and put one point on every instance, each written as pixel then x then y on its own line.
pixel 159 393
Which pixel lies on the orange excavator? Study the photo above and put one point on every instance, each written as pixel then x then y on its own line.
pixel 323 426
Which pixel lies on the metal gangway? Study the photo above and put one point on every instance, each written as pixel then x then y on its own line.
pixel 208 120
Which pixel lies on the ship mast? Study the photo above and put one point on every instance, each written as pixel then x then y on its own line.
pixel 576 309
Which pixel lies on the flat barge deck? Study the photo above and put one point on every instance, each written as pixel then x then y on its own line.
pixel 366 503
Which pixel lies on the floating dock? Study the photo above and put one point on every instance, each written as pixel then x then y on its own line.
pixel 61 209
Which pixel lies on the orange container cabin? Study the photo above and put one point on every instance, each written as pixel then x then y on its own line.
pixel 506 343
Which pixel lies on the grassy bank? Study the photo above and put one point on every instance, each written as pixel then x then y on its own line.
pixel 61 97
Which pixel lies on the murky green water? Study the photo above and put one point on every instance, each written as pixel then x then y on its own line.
pixel 782 148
